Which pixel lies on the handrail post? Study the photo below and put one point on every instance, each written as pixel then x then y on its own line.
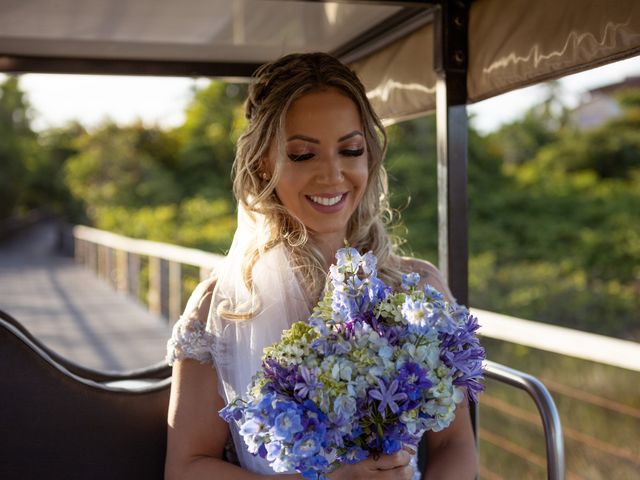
pixel 175 291
pixel 133 275
pixel 155 286
pixel 554 441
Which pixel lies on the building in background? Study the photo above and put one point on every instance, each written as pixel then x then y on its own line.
pixel 600 104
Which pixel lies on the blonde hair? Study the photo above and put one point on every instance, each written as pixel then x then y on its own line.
pixel 275 86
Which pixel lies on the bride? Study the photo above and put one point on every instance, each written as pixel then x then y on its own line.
pixel 308 176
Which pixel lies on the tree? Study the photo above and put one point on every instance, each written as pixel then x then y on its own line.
pixel 122 166
pixel 213 123
pixel 17 144
pixel 45 185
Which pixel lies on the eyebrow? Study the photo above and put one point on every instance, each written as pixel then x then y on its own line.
pixel 315 140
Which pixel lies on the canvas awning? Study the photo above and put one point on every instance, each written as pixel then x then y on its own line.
pixel 512 43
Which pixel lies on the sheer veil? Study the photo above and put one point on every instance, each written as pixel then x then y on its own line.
pixel 276 301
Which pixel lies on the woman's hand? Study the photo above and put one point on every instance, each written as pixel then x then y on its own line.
pixel 384 467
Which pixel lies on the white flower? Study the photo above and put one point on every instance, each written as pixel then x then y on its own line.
pixel 342 370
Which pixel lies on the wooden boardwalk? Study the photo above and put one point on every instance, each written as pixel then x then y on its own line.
pixel 71 310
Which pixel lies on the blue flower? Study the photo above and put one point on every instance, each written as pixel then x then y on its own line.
pixel 387 396
pixel 369 264
pixel 313 467
pixel 250 427
pixel 354 454
pixel 413 381
pixel 415 314
pixel 286 425
pixel 344 408
pixel 232 411
pixel 273 450
pixel 409 280
pixel 391 445
pixel 432 295
pixel 307 446
pixel 348 257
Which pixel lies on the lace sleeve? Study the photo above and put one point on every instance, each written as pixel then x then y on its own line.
pixel 190 337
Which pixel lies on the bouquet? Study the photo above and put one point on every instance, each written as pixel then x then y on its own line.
pixel 371 370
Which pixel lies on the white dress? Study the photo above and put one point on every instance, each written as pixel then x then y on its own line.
pixel 234 347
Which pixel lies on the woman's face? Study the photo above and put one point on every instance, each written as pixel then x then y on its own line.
pixel 325 169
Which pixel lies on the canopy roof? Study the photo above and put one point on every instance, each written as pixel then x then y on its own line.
pixel 512 43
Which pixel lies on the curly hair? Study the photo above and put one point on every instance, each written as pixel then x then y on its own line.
pixel 275 86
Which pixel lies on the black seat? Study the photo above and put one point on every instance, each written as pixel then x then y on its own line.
pixel 63 421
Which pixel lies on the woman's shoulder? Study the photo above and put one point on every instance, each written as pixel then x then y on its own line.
pixel 199 302
pixel 429 274
pixel 189 337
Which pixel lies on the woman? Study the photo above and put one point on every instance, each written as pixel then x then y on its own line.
pixel 308 176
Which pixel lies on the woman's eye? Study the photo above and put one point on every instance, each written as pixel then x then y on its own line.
pixel 353 152
pixel 299 157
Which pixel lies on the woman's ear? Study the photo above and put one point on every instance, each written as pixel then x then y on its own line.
pixel 264 169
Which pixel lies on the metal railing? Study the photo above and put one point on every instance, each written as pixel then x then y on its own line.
pixel 552 427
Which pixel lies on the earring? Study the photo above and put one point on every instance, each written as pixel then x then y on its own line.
pixel 265 176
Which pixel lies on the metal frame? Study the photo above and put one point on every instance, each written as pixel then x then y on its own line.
pixel 104 66
pixel 554 441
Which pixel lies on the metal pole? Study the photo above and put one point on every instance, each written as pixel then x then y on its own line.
pixel 450 65
pixel 450 60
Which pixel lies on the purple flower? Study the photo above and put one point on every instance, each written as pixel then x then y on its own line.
pixel 395 435
pixel 306 384
pixel 283 379
pixel 461 351
pixel 387 396
pixel 413 381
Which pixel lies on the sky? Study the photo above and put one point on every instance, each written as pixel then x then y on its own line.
pixel 58 99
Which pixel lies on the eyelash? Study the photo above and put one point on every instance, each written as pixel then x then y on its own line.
pixel 307 156
pixel 300 158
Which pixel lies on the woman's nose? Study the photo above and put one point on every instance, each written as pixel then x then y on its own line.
pixel 331 170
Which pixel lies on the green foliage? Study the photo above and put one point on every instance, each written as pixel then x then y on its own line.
pixel 17 145
pixel 554 230
pixel 411 165
pixel 46 183
pixel 115 168
pixel 213 123
pixel 195 222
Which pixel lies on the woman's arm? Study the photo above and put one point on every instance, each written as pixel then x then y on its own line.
pixel 451 453
pixel 196 433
